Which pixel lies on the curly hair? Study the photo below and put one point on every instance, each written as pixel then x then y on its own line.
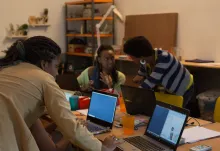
pixel 33 50
pixel 99 66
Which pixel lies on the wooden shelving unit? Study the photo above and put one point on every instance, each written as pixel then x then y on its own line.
pixel 89 2
pixel 89 28
pixel 117 57
pixel 79 54
pixel 87 18
pixel 88 35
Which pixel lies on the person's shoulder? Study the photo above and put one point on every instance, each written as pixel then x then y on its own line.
pixel 163 53
pixel 33 74
pixel 90 70
pixel 121 75
pixel 163 56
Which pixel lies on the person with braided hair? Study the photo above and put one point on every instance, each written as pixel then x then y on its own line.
pixel 27 87
pixel 103 75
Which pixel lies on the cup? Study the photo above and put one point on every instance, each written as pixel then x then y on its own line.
pixel 74 102
pixel 122 105
pixel 128 124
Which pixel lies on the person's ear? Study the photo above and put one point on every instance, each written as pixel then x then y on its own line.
pixel 43 64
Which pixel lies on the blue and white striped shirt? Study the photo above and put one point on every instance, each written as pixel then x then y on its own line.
pixel 168 72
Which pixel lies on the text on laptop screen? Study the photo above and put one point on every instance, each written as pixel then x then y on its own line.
pixel 102 106
pixel 166 124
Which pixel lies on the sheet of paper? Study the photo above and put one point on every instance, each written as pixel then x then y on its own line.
pixel 84 111
pixel 195 134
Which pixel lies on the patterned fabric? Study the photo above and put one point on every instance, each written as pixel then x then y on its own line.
pixel 168 72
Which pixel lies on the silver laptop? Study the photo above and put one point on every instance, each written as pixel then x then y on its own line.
pixel 163 132
pixel 101 112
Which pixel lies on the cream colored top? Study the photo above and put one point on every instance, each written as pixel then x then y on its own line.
pixel 25 91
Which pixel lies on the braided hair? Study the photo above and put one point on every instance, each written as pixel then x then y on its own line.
pixel 98 66
pixel 33 50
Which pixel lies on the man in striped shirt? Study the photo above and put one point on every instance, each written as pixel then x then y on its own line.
pixel 159 68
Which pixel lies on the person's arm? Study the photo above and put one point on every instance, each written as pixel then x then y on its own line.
pixel 86 85
pixel 83 78
pixel 43 140
pixel 142 72
pixel 153 80
pixel 59 110
pixel 121 80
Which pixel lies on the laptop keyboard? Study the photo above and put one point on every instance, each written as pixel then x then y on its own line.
pixel 93 128
pixel 143 144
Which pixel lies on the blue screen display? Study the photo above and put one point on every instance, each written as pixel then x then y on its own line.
pixel 102 106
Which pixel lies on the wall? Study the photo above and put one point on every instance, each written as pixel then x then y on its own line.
pixel 18 11
pixel 198 29
pixel 198 26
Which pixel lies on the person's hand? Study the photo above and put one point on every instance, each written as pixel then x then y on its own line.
pixel 88 87
pixel 107 79
pixel 110 143
pixel 138 79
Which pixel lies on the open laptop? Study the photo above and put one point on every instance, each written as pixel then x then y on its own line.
pixel 101 112
pixel 138 100
pixel 163 133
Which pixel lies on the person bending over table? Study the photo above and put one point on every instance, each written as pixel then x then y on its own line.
pixel 27 86
pixel 159 68
pixel 104 74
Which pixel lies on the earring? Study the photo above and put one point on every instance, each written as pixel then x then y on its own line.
pixel 142 61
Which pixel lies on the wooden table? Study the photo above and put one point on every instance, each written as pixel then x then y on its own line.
pixel 215 142
pixel 202 65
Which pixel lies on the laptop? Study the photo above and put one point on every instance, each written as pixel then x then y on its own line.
pixel 163 133
pixel 101 112
pixel 138 100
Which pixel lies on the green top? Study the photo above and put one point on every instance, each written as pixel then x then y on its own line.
pixel 83 79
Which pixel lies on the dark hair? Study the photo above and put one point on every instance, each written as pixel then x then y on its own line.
pixel 138 47
pixel 99 66
pixel 32 50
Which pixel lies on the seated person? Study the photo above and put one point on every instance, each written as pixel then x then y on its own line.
pixel 159 68
pixel 104 74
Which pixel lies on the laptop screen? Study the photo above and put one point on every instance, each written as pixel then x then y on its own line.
pixel 166 124
pixel 102 106
pixel 68 95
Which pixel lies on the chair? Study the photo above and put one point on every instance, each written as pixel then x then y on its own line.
pixel 217 111
pixel 68 82
pixel 169 99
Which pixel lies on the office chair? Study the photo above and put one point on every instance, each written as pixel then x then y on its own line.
pixel 217 111
pixel 169 99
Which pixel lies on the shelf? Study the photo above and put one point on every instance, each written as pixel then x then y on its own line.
pixel 122 58
pixel 79 54
pixel 88 2
pixel 88 35
pixel 39 25
pixel 17 37
pixel 117 57
pixel 88 18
